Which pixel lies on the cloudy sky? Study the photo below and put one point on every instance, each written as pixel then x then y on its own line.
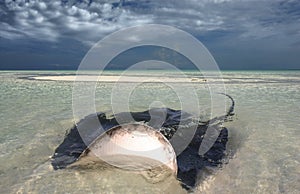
pixel 240 34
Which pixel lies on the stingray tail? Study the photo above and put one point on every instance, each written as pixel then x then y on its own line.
pixel 226 117
pixel 230 111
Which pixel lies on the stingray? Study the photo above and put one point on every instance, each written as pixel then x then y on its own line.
pixel 188 163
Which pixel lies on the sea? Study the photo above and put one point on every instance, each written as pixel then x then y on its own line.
pixel 263 150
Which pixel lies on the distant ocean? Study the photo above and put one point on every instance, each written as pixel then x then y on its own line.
pixel 263 148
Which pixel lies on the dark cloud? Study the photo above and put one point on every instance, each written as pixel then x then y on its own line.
pixel 89 20
pixel 227 27
pixel 83 20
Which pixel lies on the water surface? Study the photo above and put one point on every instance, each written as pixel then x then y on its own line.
pixel 263 149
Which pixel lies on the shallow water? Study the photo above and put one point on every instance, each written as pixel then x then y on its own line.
pixel 263 150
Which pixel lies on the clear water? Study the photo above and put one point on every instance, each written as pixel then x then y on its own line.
pixel 264 146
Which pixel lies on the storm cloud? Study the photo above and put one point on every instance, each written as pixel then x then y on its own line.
pixel 251 32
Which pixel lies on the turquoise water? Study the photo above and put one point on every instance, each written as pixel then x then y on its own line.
pixel 264 146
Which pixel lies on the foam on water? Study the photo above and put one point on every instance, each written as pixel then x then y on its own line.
pixel 263 149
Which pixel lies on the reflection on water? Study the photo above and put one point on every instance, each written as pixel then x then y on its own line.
pixel 263 149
